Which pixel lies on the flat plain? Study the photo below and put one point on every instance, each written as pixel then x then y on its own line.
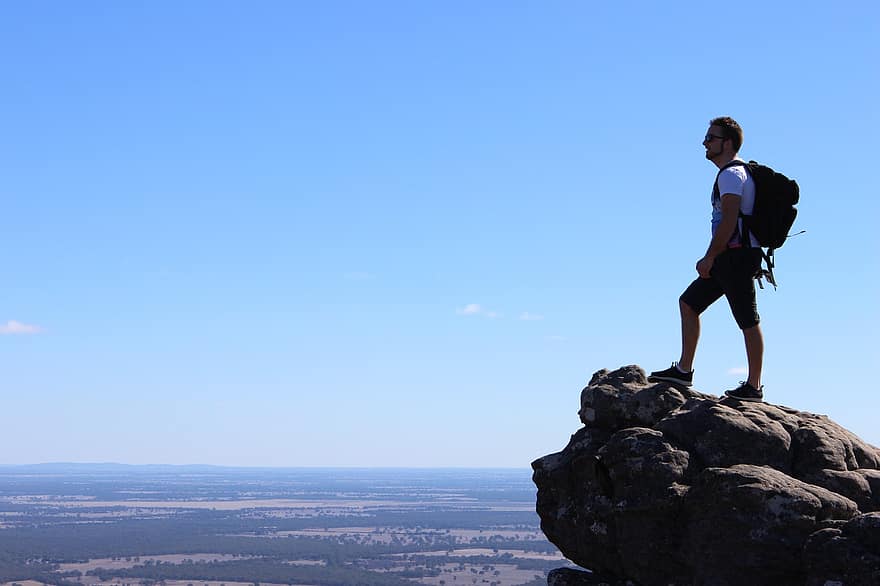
pixel 69 524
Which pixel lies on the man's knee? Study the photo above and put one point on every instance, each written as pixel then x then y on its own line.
pixel 754 330
pixel 686 309
pixel 747 319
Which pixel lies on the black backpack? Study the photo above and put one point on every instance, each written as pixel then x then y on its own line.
pixel 773 214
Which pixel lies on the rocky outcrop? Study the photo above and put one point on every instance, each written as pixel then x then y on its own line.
pixel 668 486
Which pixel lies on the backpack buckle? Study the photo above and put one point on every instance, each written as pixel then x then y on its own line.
pixel 765 274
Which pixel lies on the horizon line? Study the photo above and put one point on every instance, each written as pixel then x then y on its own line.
pixel 254 467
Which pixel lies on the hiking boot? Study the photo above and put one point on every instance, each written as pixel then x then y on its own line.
pixel 746 392
pixel 673 375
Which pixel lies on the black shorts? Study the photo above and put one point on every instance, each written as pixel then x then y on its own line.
pixel 732 275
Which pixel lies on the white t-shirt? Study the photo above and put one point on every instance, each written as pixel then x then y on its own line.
pixel 737 181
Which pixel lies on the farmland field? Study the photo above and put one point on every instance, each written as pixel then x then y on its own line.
pixel 204 526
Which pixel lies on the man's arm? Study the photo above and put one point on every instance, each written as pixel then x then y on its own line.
pixel 729 215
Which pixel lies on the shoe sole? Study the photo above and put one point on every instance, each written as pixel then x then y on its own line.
pixel 748 399
pixel 669 379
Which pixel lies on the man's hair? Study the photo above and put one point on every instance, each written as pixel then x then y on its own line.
pixel 730 130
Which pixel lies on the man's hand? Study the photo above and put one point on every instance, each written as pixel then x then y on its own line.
pixel 704 265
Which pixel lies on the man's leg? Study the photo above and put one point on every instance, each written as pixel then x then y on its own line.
pixel 755 354
pixel 740 291
pixel 690 336
pixel 696 298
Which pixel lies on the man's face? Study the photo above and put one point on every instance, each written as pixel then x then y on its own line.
pixel 714 142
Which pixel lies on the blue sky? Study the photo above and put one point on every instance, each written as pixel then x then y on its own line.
pixel 400 233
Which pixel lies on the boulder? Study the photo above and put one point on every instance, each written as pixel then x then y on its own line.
pixel 668 486
pixel 572 577
pixel 848 556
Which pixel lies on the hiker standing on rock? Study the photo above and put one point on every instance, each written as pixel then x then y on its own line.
pixel 729 266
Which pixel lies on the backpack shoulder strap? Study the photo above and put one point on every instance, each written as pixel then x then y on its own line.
pixel 741 229
pixel 716 194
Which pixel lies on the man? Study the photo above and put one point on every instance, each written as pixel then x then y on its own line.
pixel 728 268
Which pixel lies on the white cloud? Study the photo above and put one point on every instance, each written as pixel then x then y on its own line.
pixel 14 327
pixel 477 309
pixel 526 316
pixel 738 370
pixel 556 338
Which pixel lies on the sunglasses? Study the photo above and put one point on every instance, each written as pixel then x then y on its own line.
pixel 711 137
